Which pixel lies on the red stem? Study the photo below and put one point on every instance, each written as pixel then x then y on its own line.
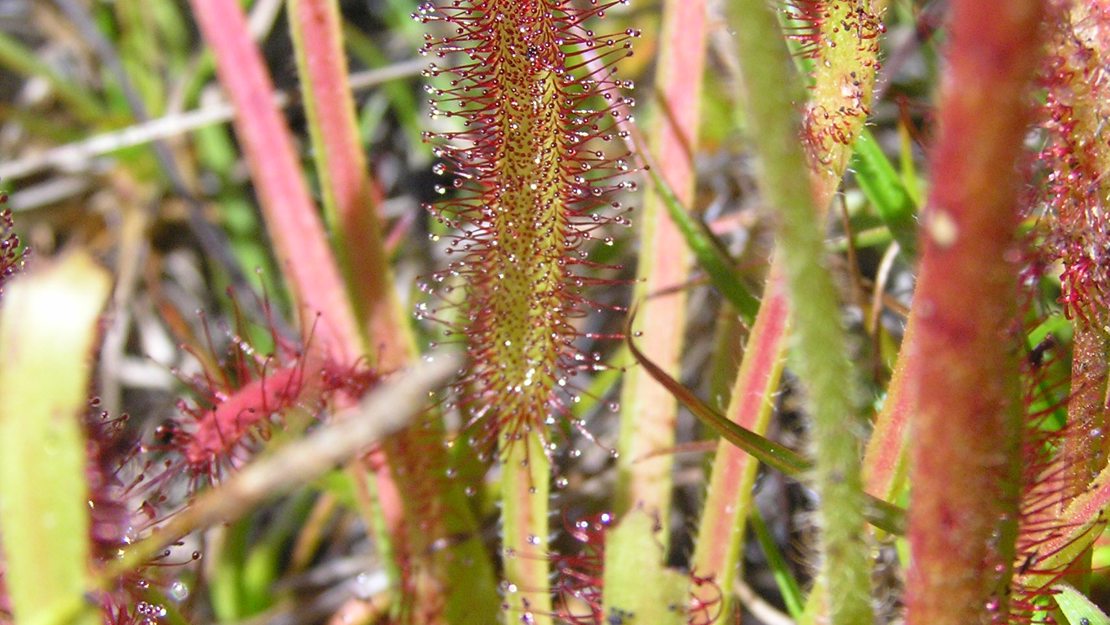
pixel 967 427
pixel 728 499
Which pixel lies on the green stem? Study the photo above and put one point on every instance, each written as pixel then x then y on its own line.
pixel 649 412
pixel 525 491
pixel 820 341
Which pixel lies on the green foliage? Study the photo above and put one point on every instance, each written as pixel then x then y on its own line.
pixel 1077 608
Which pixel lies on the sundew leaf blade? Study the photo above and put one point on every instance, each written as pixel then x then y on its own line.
pixel 533 191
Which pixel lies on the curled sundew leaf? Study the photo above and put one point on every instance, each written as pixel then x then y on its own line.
pixel 383 412
pixel 48 327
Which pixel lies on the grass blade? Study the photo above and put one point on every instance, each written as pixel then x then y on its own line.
pixel 883 187
pixel 879 513
pixel 709 252
pixel 784 579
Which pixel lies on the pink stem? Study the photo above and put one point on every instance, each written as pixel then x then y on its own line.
pixel 649 410
pixel 301 246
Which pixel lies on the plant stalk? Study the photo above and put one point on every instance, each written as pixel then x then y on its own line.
pixel 967 422
pixel 820 339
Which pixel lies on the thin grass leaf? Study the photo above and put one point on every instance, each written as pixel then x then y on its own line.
pixel 788 586
pixel 879 513
pixel 882 185
pixel 766 451
pixel 15 56
pixel 709 252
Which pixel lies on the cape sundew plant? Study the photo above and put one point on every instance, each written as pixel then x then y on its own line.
pixel 532 87
pixel 869 319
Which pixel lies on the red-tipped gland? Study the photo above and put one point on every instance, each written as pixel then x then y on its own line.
pixel 843 39
pixel 533 187
pixel 115 474
pixel 802 24
pixel 1045 485
pixel 1076 156
pixel 578 576
pixel 12 256
pixel 579 580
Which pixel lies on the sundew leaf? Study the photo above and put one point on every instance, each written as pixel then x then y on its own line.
pixel 1078 609
pixel 48 326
